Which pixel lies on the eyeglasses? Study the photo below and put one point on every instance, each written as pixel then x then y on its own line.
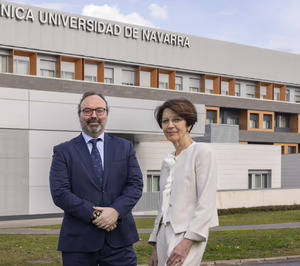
pixel 174 121
pixel 89 111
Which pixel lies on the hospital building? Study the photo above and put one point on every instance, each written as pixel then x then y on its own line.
pixel 247 99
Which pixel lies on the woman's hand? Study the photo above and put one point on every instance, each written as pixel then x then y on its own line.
pixel 153 261
pixel 180 252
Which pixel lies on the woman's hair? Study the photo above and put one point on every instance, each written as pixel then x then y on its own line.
pixel 182 107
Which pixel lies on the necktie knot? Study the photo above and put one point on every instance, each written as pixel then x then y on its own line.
pixel 94 142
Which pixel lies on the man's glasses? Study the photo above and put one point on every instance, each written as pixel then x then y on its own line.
pixel 89 111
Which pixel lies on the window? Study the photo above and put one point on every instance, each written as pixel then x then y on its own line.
pixel 262 121
pixel 145 79
pixel 108 75
pixel 179 83
pixel 128 77
pixel 267 121
pixel 163 81
pixel 250 91
pixel 21 65
pixel 254 120
pixel 276 94
pixel 287 95
pixel 288 148
pixel 91 72
pixel 209 86
pixel 233 120
pixel 153 180
pixel 231 117
pixel 67 70
pixel 297 96
pixel 194 85
pixel 258 179
pixel 292 149
pixel 263 92
pixel 282 121
pixel 225 88
pixel 237 89
pixel 4 63
pixel 211 116
pixel 47 68
pixel 163 85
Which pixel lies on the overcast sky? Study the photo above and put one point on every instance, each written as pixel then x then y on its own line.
pixel 272 24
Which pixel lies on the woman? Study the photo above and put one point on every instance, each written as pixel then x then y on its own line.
pixel 188 185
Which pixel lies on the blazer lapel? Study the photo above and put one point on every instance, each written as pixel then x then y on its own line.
pixel 108 157
pixel 85 155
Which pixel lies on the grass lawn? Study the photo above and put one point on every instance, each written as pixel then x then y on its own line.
pixel 240 245
pixel 41 249
pixel 252 244
pixel 260 218
pixel 29 249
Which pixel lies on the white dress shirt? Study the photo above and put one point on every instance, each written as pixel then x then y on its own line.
pixel 100 145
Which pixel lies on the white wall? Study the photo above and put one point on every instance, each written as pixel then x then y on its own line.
pixel 44 110
pixel 254 198
pixel 150 156
pixel 41 145
pixel 50 118
pixel 234 161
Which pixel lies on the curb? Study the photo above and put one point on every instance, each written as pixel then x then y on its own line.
pixel 246 261
pixel 251 261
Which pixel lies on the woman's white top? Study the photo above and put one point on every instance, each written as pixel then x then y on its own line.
pixel 169 161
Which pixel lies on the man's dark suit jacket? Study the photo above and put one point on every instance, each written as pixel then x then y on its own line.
pixel 75 188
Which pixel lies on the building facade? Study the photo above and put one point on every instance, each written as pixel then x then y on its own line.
pixel 49 58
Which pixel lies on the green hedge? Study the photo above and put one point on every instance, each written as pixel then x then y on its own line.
pixel 258 209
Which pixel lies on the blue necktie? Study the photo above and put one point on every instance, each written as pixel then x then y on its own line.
pixel 97 160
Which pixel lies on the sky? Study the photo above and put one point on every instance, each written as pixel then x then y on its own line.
pixel 271 24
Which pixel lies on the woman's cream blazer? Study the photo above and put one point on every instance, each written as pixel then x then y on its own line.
pixel 192 207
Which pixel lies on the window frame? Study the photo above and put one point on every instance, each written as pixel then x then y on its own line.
pixel 132 72
pixel 153 174
pixel 66 72
pixel 7 63
pixel 178 85
pixel 17 60
pixel 42 70
pixel 90 76
pixel 106 78
pixel 265 179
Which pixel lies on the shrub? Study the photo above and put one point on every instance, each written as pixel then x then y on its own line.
pixel 258 209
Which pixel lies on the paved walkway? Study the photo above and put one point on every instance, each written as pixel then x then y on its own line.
pixel 29 222
pixel 13 226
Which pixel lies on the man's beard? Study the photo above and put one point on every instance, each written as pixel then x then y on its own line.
pixel 85 125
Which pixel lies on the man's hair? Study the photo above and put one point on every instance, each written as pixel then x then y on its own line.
pixel 91 93
pixel 182 107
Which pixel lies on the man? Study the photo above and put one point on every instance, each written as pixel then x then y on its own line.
pixel 96 179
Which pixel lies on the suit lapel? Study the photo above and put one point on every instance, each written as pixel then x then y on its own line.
pixel 108 157
pixel 85 155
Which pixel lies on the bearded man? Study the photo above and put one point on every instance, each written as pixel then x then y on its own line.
pixel 96 180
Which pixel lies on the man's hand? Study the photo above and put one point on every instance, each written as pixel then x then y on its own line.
pixel 180 252
pixel 108 219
